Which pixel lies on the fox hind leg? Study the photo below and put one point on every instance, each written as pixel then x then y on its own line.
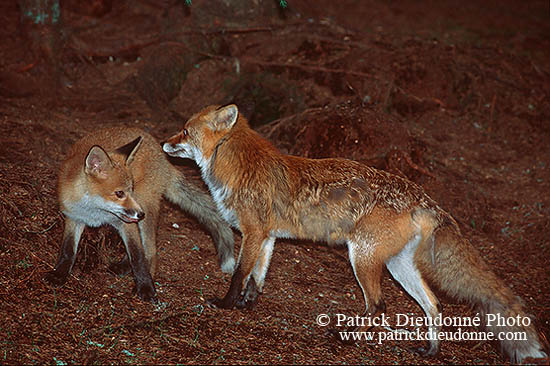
pixel 404 271
pixel 368 273
pixel 200 204
pixel 67 254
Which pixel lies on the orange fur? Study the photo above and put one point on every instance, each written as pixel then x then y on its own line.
pixel 382 218
pixel 118 176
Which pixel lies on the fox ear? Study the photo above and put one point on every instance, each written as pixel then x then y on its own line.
pixel 226 117
pixel 129 150
pixel 98 163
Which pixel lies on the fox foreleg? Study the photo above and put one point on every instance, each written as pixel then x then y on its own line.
pixel 67 253
pixel 245 288
pixel 138 262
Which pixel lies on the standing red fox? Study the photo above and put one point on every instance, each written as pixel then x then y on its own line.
pixel 117 176
pixel 382 218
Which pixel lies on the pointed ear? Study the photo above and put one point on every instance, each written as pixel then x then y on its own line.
pixel 130 149
pixel 98 163
pixel 225 117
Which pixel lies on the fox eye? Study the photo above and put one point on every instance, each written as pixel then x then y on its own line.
pixel 185 133
pixel 120 194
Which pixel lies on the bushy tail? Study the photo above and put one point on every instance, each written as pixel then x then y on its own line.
pixel 199 204
pixel 454 265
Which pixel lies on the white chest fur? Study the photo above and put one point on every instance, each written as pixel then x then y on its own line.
pixel 93 211
pixel 218 191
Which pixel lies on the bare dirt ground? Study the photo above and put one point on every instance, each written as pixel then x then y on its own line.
pixel 453 95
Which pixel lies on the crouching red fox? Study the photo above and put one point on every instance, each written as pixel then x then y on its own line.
pixel 117 177
pixel 383 219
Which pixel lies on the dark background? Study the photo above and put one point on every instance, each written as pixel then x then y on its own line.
pixel 450 94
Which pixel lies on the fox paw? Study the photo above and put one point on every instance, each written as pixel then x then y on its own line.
pixel 246 303
pixel 147 293
pixel 56 279
pixel 250 296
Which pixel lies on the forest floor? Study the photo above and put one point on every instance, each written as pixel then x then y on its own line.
pixel 452 95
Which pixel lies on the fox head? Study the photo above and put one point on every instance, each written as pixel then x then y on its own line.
pixel 110 182
pixel 202 133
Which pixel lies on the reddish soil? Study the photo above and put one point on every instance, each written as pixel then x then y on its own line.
pixel 453 95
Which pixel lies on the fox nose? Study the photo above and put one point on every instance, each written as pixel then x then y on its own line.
pixel 133 214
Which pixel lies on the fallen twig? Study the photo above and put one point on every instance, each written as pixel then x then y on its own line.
pixel 42 231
